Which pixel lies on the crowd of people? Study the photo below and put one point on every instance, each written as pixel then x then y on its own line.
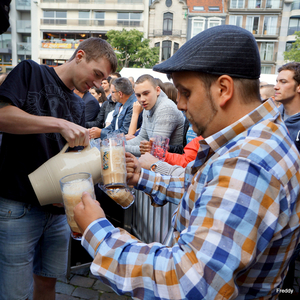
pixel 232 168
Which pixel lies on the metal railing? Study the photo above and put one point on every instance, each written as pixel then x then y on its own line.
pixel 149 223
pixel 95 1
pixel 160 32
pixel 91 22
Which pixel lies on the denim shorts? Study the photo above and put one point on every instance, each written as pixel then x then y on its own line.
pixel 31 241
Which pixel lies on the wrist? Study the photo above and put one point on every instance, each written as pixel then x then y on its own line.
pixel 154 166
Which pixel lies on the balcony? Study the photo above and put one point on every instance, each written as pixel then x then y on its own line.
pixel 254 6
pixel 291 30
pixel 23 26
pixel 295 5
pixel 267 32
pixel 95 1
pixel 160 32
pixel 91 22
pixel 24 48
pixel 23 4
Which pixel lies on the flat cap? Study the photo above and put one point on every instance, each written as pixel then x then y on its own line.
pixel 219 50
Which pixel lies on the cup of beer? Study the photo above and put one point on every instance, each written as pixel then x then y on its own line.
pixel 159 147
pixel 72 186
pixel 112 152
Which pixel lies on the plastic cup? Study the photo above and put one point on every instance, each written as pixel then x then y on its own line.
pixel 159 147
pixel 72 186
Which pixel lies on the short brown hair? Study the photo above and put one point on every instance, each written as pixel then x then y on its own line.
pixel 146 77
pixel 248 88
pixel 97 48
pixel 292 66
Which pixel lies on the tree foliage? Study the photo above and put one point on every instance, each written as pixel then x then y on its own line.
pixel 293 54
pixel 132 49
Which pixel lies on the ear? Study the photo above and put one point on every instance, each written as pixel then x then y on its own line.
pixel 79 56
pixel 225 88
pixel 158 89
pixel 298 89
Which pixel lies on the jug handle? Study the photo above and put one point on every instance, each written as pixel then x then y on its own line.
pixel 66 146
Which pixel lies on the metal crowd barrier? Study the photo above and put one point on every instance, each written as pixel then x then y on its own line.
pixel 144 221
pixel 151 224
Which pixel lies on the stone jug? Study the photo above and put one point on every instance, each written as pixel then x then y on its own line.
pixel 45 179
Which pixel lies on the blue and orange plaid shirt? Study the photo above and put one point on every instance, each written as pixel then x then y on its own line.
pixel 236 225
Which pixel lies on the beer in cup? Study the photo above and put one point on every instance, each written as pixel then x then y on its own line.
pixel 72 187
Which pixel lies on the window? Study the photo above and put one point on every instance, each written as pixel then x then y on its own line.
pixel 166 49
pixel 55 17
pixel 236 20
pixel 289 45
pixel 83 17
pixel 5 59
pixel 214 8
pixel 270 25
pixel 175 48
pixel 168 24
pixel 266 69
pixel 295 5
pixel 294 25
pixel 237 4
pixel 214 22
pixel 273 4
pixel 197 26
pixel 129 19
pixel 254 3
pixel 252 24
pixel 5 40
pixel 266 51
pixel 157 44
pixel 198 8
pixel 99 16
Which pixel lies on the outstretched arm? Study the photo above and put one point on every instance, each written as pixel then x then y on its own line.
pixel 16 121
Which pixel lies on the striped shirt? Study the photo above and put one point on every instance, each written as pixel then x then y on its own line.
pixel 236 225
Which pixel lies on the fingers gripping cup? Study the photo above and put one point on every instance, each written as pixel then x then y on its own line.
pixel 113 162
pixel 72 187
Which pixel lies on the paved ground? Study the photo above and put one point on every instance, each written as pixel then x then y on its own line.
pixel 83 285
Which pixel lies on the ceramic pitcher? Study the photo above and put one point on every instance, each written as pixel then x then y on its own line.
pixel 45 179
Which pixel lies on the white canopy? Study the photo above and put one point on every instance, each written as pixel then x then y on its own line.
pixel 137 72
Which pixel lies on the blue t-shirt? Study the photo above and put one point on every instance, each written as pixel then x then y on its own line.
pixel 190 134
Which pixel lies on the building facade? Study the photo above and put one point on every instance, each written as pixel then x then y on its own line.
pixel 167 26
pixel 290 23
pixel 203 14
pixel 48 31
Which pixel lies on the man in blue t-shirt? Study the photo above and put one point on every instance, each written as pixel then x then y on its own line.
pixel 39 113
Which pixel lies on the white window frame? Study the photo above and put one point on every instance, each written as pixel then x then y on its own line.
pixel 274 4
pixel 267 51
pixel 237 3
pixel 271 27
pixel 248 25
pixel 233 20
pixel 254 4
pixel 214 19
pixel 197 20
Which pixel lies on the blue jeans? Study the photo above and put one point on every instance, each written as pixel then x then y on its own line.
pixel 31 241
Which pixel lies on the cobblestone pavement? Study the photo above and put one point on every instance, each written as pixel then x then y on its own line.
pixel 83 285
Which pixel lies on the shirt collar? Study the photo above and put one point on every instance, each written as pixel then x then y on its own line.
pixel 210 145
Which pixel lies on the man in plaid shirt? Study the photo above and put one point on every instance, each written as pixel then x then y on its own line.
pixel 237 221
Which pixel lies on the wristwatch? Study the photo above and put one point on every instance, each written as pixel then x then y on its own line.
pixel 154 166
